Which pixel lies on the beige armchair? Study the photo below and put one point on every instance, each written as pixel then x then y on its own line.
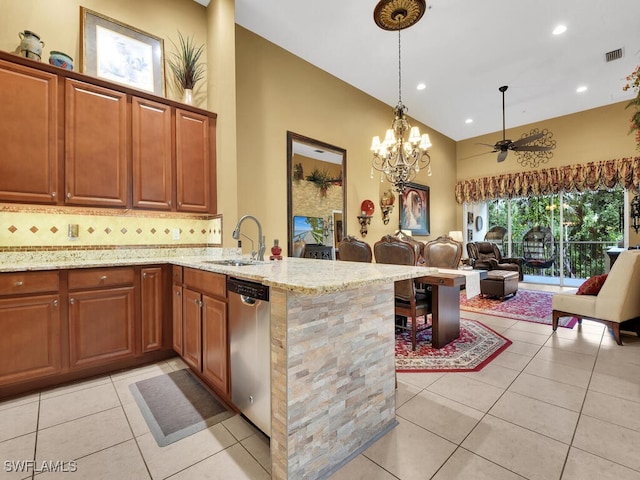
pixel 618 300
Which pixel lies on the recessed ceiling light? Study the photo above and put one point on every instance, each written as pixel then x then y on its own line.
pixel 581 88
pixel 421 86
pixel 560 29
pixel 469 120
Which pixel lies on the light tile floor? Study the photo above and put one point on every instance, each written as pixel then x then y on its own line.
pixel 552 406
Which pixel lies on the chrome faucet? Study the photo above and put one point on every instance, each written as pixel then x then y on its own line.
pixel 261 244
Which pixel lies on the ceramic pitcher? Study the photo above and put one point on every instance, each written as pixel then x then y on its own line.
pixel 30 45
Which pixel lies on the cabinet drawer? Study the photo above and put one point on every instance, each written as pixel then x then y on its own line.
pixel 206 282
pixel 28 282
pixel 100 277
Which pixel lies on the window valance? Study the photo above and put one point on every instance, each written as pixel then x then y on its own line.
pixel 579 177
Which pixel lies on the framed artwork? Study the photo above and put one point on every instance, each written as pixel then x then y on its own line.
pixel 414 209
pixel 120 53
pixel 479 223
pixel 469 217
pixel 469 235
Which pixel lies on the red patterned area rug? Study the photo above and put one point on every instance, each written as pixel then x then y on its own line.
pixel 526 305
pixel 476 346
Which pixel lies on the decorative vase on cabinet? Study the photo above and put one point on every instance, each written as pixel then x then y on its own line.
pixel 30 45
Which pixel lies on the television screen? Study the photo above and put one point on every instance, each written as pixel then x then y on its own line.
pixel 307 229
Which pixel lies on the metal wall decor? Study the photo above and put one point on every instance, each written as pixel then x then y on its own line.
pixel 534 157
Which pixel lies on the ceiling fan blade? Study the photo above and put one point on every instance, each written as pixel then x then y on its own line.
pixel 476 155
pixel 487 145
pixel 533 148
pixel 502 155
pixel 531 138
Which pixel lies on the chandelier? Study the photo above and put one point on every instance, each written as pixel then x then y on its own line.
pixel 403 152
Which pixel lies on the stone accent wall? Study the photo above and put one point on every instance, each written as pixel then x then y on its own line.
pixel 333 377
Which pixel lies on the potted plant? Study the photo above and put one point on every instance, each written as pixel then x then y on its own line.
pixel 186 66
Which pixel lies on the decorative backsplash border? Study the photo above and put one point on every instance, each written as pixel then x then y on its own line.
pixel 34 228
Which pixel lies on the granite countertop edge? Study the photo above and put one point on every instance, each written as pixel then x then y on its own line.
pixel 305 276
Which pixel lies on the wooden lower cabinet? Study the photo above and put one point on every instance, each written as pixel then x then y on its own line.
pixel 215 352
pixel 177 319
pixel 151 314
pixel 101 326
pixel 29 338
pixel 205 340
pixel 192 328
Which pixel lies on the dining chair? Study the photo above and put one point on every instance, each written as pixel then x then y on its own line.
pixel 409 302
pixel 353 250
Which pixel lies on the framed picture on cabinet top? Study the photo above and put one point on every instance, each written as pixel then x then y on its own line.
pixel 414 209
pixel 120 53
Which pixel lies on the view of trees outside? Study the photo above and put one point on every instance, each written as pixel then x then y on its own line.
pixel 592 223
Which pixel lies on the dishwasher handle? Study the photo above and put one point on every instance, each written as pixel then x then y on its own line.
pixel 248 301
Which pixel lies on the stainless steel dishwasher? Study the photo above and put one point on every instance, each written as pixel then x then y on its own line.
pixel 250 350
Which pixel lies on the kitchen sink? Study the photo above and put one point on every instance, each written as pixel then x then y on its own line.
pixel 232 262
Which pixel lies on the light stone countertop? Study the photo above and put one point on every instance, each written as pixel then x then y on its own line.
pixel 309 276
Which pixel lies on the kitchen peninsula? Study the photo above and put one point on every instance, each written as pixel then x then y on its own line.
pixel 332 352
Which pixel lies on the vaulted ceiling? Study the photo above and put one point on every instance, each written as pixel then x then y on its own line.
pixel 463 51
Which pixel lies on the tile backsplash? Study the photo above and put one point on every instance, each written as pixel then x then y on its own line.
pixel 25 227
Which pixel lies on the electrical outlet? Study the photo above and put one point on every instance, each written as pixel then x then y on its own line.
pixel 176 234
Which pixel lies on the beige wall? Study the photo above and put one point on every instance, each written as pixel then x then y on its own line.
pixel 57 22
pixel 589 136
pixel 276 92
pixel 592 135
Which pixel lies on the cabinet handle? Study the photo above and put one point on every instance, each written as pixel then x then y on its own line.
pixel 19 283
pixel 144 275
pixel 103 278
pixel 53 195
pixel 55 303
pixel 169 203
pixel 68 194
pixel 179 204
pixel 178 293
pixel 72 301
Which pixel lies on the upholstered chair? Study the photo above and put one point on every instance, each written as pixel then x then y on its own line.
pixel 443 252
pixel 615 303
pixel 354 250
pixel 408 301
pixel 487 256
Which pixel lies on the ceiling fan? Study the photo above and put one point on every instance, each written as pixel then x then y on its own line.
pixel 503 146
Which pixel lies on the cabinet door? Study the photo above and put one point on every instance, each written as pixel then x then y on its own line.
pixel 192 328
pixel 30 338
pixel 214 343
pixel 151 308
pixel 96 136
pixel 101 326
pixel 28 134
pixel 193 164
pixel 152 146
pixel 177 319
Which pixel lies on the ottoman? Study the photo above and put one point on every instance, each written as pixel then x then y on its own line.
pixel 499 283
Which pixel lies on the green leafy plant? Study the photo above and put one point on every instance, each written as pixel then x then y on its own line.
pixel 321 178
pixel 185 62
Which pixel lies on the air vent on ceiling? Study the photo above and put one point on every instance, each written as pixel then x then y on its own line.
pixel 613 55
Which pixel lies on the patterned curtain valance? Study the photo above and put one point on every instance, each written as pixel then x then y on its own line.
pixel 623 172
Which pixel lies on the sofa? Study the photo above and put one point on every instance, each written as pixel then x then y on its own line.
pixel 616 302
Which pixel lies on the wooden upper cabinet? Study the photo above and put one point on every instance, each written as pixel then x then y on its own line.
pixel 28 134
pixel 96 139
pixel 152 154
pixel 195 170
